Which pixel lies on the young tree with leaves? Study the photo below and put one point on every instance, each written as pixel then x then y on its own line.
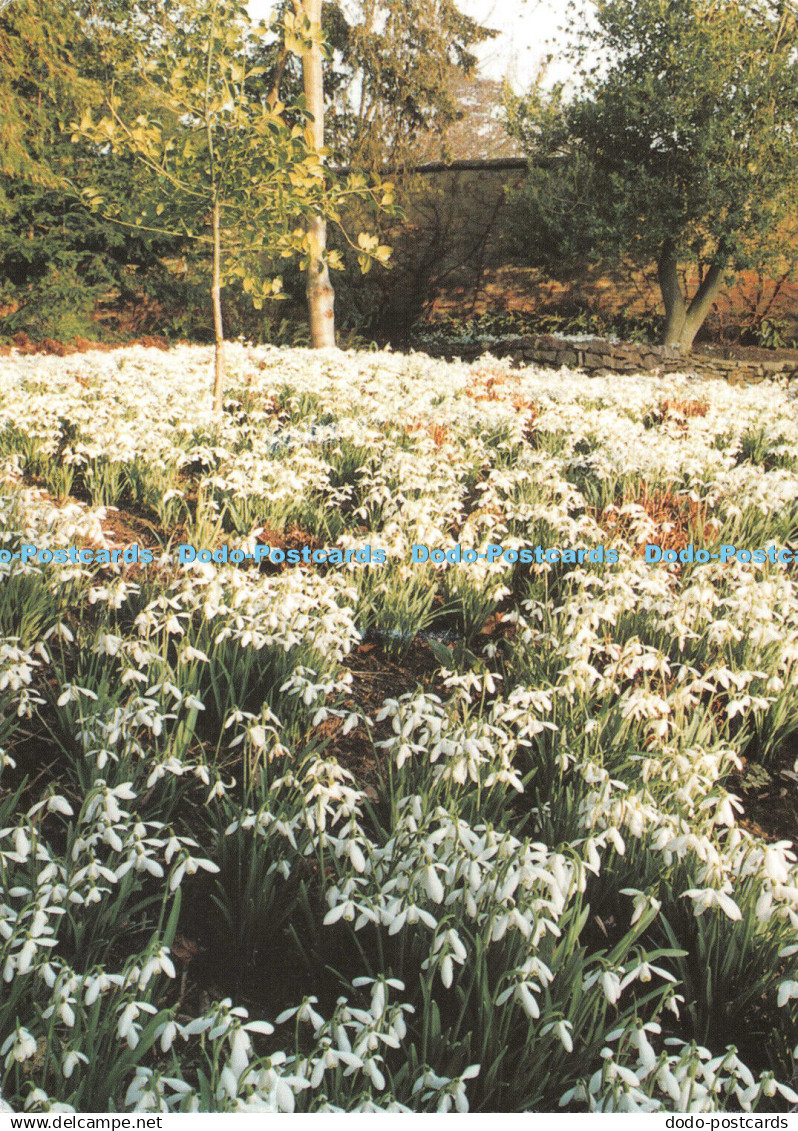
pixel 676 143
pixel 220 166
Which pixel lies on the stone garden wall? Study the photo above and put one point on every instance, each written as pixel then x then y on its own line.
pixel 599 357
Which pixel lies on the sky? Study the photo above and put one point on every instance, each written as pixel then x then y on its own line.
pixel 528 32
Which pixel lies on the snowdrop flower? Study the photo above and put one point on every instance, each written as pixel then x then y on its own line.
pixel 563 1030
pixel 611 985
pixel 158 963
pixel 190 866
pixel 787 990
pixel 642 901
pixel 19 1046
pixel 704 898
pixel 127 1029
pixel 71 1061
pixel 304 1013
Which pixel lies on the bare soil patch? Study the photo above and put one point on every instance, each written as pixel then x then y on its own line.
pixel 22 344
pixel 770 795
pixel 679 518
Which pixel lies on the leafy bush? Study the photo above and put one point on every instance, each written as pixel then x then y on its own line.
pixel 60 306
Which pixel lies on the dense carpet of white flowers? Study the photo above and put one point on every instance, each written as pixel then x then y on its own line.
pixel 395 837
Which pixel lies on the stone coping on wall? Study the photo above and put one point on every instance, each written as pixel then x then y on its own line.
pixel 600 357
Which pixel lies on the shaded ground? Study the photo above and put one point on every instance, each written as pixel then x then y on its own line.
pixel 770 795
pixel 522 290
pixel 734 350
pixel 608 292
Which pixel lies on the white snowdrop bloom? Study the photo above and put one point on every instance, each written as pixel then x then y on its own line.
pixel 25 957
pixel 577 1094
pixel 18 1046
pixel 787 990
pixel 240 1046
pixel 94 986
pixel 647 1056
pixel 524 995
pixel 127 1029
pixel 705 898
pixel 262 1027
pixel 188 866
pixel 168 1035
pixel 304 1012
pixel 257 736
pixel 642 901
pixel 58 804
pixel 432 884
pixel 71 1061
pixel 37 1097
pixel 22 846
pixel 61 631
pixel 158 963
pixel 108 644
pixel 611 985
pixel 777 860
pixel 563 1031
pixel 197 1026
pixel 356 857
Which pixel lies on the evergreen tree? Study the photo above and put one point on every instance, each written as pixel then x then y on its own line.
pixel 676 144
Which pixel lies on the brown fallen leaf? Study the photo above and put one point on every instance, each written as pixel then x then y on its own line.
pixel 185 949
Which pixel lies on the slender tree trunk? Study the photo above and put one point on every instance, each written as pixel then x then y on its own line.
pixel 701 305
pixel 682 322
pixel 320 294
pixel 216 298
pixel 216 229
pixel 319 290
pixel 675 309
pixel 273 97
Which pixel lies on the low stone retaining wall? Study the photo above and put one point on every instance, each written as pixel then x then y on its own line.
pixel 599 357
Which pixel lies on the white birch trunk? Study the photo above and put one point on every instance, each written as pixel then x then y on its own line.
pixel 320 294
